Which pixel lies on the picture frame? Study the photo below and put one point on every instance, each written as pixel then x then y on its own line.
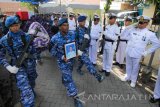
pixel 70 50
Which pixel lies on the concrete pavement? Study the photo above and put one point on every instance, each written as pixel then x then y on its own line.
pixel 110 93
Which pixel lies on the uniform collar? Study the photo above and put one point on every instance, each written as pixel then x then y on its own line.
pixel 81 27
pixel 62 35
pixel 111 25
pixel 142 29
pixel 17 34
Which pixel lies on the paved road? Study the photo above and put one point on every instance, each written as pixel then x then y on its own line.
pixel 110 93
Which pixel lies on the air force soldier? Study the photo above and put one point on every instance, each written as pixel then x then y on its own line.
pixel 140 36
pixel 122 43
pixel 111 35
pixel 96 31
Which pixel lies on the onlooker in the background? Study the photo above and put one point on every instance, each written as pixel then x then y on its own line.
pixel 72 23
pixel 64 15
pixel 55 27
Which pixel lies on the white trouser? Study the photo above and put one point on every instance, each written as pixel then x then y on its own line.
pixel 108 59
pixel 120 55
pixel 93 53
pixel 157 87
pixel 132 68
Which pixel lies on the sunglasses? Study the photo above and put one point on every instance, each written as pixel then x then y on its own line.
pixel 141 22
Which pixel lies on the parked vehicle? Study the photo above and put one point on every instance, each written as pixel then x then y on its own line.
pixel 121 15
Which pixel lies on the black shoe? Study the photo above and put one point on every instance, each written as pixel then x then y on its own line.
pixel 99 77
pixel 116 63
pixel 107 74
pixel 101 71
pixel 77 102
pixel 153 100
pixel 80 72
pixel 121 66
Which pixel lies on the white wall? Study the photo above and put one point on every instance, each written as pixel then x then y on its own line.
pixel 149 11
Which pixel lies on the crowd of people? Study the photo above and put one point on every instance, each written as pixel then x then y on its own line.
pixel 23 42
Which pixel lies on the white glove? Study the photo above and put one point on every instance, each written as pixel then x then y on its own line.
pixel 80 53
pixel 62 57
pixel 12 69
pixel 86 36
pixel 144 54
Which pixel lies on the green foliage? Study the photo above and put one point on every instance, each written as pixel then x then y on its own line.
pixel 87 11
pixel 107 5
pixel 30 6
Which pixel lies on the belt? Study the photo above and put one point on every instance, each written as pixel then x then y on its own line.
pixel 122 40
pixel 109 40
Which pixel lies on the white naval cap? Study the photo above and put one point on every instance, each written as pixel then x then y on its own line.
pixel 71 14
pixel 128 18
pixel 143 18
pixel 64 14
pixel 112 15
pixel 96 16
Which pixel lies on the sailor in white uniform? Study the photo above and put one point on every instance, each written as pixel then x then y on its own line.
pixel 139 37
pixel 95 34
pixel 72 23
pixel 156 94
pixel 111 35
pixel 122 43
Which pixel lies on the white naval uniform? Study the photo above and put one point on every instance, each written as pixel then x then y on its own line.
pixel 111 32
pixel 72 24
pixel 52 18
pixel 121 52
pixel 138 40
pixel 156 93
pixel 95 34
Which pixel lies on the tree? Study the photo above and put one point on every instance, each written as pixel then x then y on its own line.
pixel 29 6
pixel 32 4
pixel 107 5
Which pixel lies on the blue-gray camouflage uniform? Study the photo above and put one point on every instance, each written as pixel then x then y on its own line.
pixel 66 68
pixel 27 72
pixel 84 59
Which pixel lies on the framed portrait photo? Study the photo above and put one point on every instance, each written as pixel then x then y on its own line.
pixel 70 50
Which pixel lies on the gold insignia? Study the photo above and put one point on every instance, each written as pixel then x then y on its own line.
pixel 141 18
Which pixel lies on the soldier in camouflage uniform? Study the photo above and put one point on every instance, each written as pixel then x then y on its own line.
pixel 12 43
pixel 66 66
pixel 6 97
pixel 82 38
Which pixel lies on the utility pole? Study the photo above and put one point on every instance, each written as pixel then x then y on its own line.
pixel 61 7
